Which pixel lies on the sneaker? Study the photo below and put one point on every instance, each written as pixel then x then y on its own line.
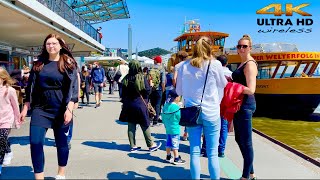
pixel 221 155
pixel 169 158
pixel 97 105
pixel 135 149
pixel 60 177
pixel 7 159
pixel 178 161
pixel 158 145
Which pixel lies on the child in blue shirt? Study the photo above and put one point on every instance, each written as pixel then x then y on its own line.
pixel 171 117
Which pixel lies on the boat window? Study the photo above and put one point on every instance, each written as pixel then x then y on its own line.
pixel 300 70
pixel 288 71
pixel 280 70
pixel 264 72
pixel 309 68
pixel 183 43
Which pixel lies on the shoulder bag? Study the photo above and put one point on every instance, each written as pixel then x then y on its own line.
pixel 190 115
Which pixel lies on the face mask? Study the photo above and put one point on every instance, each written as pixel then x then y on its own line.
pixel 94 66
pixel 85 68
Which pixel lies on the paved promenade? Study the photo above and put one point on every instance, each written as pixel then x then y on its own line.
pixel 100 150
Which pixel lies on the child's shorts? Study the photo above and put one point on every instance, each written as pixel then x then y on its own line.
pixel 173 141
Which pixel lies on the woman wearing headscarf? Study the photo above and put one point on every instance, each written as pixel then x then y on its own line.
pixel 135 96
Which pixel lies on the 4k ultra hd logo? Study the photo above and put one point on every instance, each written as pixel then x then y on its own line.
pixel 285 25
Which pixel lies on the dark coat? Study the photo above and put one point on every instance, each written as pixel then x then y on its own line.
pixel 134 108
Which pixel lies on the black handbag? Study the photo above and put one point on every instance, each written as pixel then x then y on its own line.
pixel 190 116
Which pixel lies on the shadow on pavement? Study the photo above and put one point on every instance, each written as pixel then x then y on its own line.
pixel 12 172
pixel 121 123
pixel 147 156
pixel 170 172
pixel 127 175
pixel 24 140
pixel 107 145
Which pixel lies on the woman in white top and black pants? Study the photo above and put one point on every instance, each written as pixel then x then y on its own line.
pixel 192 73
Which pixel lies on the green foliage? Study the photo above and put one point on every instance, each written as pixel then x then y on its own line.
pixel 150 53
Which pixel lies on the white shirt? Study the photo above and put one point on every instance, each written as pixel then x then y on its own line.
pixel 227 72
pixel 190 83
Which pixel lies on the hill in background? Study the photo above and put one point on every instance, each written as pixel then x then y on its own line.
pixel 150 53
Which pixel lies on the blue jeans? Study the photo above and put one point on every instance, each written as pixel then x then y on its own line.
pixel 70 133
pixel 211 130
pixel 37 138
pixel 242 123
pixel 223 136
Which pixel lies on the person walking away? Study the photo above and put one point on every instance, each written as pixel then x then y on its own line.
pixel 9 115
pixel 136 90
pixel 97 79
pixel 193 73
pixel 51 94
pixel 171 117
pixel 85 84
pixel 110 75
pixel 121 71
pixel 245 74
pixel 158 78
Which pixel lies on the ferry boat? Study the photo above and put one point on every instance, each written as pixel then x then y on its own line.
pixel 286 85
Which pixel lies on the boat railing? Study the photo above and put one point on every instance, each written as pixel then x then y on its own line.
pixel 61 8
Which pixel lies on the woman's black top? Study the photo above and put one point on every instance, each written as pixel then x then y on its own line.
pixel 49 107
pixel 238 76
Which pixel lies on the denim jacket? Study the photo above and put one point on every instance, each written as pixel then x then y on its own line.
pixel 73 86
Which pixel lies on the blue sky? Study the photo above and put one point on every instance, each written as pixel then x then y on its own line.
pixel 155 23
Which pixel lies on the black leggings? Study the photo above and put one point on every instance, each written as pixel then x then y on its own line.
pixel 4 144
pixel 85 92
pixel 37 138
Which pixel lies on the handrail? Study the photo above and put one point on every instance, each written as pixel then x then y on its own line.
pixel 61 8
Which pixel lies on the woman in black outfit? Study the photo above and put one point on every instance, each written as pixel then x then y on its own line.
pixel 135 94
pixel 85 83
pixel 51 93
pixel 246 75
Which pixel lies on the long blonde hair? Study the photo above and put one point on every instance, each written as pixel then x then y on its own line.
pixel 201 52
pixel 7 80
pixel 246 37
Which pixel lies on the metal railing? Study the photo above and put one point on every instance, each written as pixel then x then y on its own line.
pixel 62 9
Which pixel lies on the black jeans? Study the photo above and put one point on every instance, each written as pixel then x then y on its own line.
pixel 155 98
pixel 242 122
pixel 111 86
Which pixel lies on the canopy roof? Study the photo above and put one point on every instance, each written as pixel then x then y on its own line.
pixel 97 11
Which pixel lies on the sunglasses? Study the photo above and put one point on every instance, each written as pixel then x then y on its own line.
pixel 239 46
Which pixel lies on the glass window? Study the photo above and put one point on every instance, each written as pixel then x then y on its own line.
pixel 300 70
pixel 264 72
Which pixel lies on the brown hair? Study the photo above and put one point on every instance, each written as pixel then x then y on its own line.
pixel 246 37
pixel 66 61
pixel 182 55
pixel 201 52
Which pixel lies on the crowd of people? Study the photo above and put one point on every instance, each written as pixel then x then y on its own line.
pixel 150 97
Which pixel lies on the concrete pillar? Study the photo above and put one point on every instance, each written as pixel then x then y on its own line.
pixel 129 42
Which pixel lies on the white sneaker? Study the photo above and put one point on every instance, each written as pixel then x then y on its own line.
pixel 7 158
pixel 60 177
